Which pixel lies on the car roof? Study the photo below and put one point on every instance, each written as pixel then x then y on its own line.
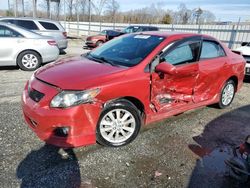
pixel 174 33
pixel 23 31
pixel 29 18
pixel 149 26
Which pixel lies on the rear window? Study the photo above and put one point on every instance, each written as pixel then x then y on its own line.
pixel 49 26
pixel 8 21
pixel 27 24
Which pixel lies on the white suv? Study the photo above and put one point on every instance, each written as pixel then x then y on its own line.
pixel 42 26
pixel 245 50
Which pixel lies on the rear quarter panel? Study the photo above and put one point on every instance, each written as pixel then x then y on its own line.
pixel 39 45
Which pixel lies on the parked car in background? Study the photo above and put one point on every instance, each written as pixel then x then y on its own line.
pixel 139 28
pixel 131 29
pixel 245 51
pixel 106 95
pixel 25 48
pixel 105 35
pixel 96 40
pixel 41 26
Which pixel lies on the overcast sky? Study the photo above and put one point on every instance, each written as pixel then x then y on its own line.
pixel 224 10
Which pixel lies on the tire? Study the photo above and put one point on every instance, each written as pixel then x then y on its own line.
pixel 29 60
pixel 99 43
pixel 227 94
pixel 113 131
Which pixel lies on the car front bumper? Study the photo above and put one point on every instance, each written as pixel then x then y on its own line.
pixel 247 68
pixel 43 120
pixel 90 43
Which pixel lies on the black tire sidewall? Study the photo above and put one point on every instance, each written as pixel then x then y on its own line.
pixel 20 56
pixel 221 105
pixel 98 43
pixel 120 105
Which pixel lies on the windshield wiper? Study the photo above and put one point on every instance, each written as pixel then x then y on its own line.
pixel 107 61
pixel 101 59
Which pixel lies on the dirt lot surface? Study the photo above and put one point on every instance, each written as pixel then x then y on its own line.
pixel 187 150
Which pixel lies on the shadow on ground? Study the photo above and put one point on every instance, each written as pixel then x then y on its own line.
pixel 9 68
pixel 49 166
pixel 215 145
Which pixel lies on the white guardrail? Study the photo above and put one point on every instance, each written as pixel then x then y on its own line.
pixel 231 35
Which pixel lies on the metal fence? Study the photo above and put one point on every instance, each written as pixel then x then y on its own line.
pixel 231 35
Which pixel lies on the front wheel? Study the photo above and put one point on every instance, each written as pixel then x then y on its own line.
pixel 119 124
pixel 227 94
pixel 99 43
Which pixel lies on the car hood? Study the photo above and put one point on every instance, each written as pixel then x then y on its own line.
pixel 77 73
pixel 96 37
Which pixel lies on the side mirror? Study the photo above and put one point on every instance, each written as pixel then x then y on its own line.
pixel 166 68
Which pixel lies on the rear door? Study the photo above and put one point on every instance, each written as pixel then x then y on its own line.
pixel 173 91
pixel 213 62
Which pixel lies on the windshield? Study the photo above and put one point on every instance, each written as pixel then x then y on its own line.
pixel 126 51
pixel 103 32
pixel 130 29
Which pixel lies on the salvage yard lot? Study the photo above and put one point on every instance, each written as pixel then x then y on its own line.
pixel 183 151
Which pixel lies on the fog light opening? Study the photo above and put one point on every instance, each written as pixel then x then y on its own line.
pixel 61 131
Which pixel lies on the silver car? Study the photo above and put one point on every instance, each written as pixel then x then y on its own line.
pixel 25 48
pixel 41 26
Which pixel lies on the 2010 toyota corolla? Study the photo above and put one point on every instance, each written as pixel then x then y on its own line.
pixel 106 95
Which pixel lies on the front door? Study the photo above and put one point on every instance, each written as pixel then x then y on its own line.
pixel 171 91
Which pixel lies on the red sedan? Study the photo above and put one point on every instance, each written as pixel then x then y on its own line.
pixel 105 96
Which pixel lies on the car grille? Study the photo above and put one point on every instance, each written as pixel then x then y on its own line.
pixel 35 95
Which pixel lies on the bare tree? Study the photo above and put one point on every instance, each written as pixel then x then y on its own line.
pixel 58 3
pixel 98 6
pixel 70 8
pixel 83 5
pixel 183 14
pixel 207 17
pixel 34 8
pixel 22 2
pixel 112 9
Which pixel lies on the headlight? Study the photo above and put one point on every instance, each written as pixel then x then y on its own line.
pixel 30 80
pixel 72 98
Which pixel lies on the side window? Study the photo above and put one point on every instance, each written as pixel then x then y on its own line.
pixel 27 24
pixel 49 26
pixel 211 49
pixel 184 53
pixel 8 21
pixel 7 32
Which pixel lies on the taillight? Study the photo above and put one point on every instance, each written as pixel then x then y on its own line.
pixel 65 34
pixel 52 42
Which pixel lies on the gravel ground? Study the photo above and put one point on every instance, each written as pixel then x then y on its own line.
pixel 183 151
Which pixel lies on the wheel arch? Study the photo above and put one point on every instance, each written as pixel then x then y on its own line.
pixel 235 79
pixel 135 101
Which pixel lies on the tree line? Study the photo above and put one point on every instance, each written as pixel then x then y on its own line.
pixel 107 11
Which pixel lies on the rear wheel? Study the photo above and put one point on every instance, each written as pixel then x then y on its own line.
pixel 119 124
pixel 227 94
pixel 29 60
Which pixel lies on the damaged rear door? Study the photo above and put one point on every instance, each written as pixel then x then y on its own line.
pixel 171 90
